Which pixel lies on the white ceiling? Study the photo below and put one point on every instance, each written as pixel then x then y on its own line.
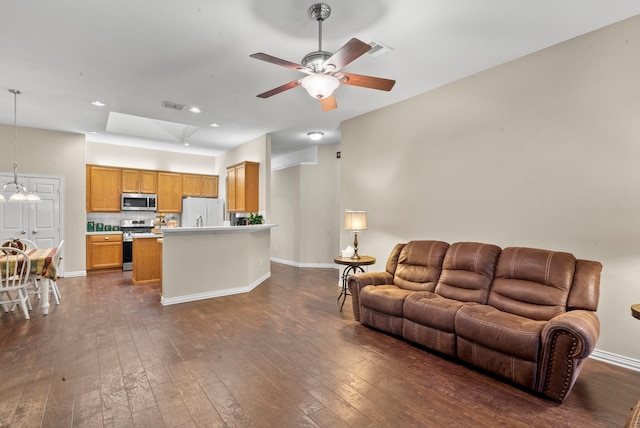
pixel 134 55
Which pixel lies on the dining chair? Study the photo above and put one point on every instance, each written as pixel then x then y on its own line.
pixel 54 286
pixel 14 277
pixel 35 287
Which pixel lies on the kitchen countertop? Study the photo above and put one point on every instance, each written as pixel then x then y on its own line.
pixel 215 229
pixel 110 232
pixel 146 235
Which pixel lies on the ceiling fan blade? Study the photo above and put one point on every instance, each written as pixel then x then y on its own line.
pixel 352 50
pixel 367 81
pixel 328 103
pixel 277 61
pixel 279 89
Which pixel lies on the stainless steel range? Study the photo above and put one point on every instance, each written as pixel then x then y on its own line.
pixel 130 228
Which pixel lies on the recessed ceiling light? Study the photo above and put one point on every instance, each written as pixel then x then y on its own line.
pixel 93 132
pixel 214 125
pixel 315 135
pixel 98 104
pixel 195 110
pixel 187 144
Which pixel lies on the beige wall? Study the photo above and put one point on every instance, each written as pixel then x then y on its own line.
pixel 305 205
pixel 542 151
pixel 58 154
pixel 133 157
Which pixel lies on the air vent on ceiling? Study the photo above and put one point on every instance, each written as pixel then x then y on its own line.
pixel 378 48
pixel 173 106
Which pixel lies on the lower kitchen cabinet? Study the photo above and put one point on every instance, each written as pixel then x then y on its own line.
pixel 104 252
pixel 147 260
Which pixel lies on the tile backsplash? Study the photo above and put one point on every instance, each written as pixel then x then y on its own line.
pixel 113 219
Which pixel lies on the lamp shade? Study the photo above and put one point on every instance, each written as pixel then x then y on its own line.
pixel 355 220
pixel 320 85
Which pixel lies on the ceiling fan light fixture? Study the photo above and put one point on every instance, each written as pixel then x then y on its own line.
pixel 315 135
pixel 320 85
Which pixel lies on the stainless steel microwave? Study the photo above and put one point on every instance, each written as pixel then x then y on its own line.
pixel 139 202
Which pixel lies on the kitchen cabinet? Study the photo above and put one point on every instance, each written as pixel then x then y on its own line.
pixel 147 260
pixel 200 185
pixel 139 181
pixel 104 251
pixel 242 187
pixel 104 186
pixel 169 192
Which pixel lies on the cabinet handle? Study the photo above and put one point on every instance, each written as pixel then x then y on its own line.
pixel 106 237
pixel 22 232
pixel 34 231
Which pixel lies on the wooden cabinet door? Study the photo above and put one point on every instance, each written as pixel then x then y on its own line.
pixel 130 181
pixel 169 192
pixel 104 186
pixel 139 181
pixel 104 252
pixel 190 185
pixel 209 186
pixel 147 260
pixel 240 189
pixel 148 181
pixel 231 190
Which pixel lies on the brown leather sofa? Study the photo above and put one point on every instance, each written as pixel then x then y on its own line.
pixel 524 314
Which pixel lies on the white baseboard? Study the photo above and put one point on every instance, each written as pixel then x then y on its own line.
pixel 305 265
pixel 616 360
pixel 212 294
pixel 72 274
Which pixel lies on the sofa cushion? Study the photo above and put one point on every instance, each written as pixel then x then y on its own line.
pixel 387 299
pixel 419 265
pixel 432 310
pixel 532 283
pixel 504 332
pixel 467 271
pixel 429 320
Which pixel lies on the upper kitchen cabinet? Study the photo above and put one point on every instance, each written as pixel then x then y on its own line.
pixel 169 192
pixel 104 185
pixel 139 181
pixel 242 187
pixel 200 185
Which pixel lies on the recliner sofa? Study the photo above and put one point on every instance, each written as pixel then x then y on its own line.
pixel 524 314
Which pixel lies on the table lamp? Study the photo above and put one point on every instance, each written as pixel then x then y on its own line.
pixel 355 221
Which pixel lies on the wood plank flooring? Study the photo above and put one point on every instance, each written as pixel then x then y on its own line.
pixel 281 356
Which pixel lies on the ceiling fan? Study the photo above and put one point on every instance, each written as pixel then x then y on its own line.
pixel 323 68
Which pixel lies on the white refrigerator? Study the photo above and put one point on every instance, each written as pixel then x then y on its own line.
pixel 202 212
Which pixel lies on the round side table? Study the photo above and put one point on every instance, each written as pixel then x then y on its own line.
pixel 635 311
pixel 353 266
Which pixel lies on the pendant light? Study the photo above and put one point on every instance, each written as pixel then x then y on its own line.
pixel 19 192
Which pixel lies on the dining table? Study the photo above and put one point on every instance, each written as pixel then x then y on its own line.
pixel 42 267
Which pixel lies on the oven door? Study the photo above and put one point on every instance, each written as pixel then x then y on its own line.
pixel 127 254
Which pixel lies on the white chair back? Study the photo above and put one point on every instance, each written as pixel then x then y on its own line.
pixel 15 266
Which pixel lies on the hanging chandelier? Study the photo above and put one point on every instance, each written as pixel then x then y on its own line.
pixel 19 192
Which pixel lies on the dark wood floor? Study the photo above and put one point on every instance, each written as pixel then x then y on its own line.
pixel 280 356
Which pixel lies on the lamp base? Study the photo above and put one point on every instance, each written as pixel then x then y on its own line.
pixel 355 246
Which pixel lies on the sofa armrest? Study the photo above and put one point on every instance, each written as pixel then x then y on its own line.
pixel 566 340
pixel 360 280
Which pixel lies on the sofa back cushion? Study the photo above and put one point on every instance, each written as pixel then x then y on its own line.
pixel 467 272
pixel 419 265
pixel 532 283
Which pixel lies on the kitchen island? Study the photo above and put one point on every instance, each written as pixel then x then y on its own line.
pixel 205 262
